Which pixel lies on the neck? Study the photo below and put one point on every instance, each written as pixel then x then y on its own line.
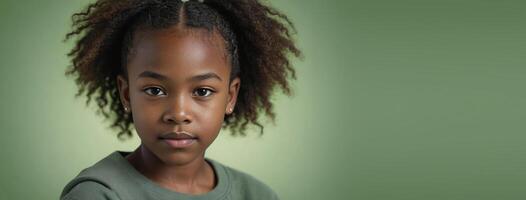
pixel 191 177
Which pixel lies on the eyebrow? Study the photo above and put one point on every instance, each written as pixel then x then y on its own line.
pixel 199 77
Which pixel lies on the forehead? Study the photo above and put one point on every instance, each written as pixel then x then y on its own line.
pixel 178 52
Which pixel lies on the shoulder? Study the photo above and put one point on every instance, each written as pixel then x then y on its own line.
pixel 89 190
pixel 102 180
pixel 248 186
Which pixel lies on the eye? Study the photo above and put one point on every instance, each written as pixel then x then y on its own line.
pixel 203 92
pixel 154 91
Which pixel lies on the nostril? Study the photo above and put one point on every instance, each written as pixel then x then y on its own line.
pixel 177 120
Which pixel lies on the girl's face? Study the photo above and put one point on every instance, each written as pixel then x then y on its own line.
pixel 178 81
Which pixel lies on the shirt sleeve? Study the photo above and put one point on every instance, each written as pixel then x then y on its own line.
pixel 90 190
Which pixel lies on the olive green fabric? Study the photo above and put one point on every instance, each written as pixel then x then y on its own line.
pixel 114 178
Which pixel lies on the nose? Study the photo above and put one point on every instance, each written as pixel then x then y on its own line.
pixel 178 111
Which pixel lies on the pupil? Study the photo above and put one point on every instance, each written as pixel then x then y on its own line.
pixel 202 92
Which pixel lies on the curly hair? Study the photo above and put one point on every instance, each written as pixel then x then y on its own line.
pixel 257 37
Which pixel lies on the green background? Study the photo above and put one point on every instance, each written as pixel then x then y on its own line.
pixel 394 100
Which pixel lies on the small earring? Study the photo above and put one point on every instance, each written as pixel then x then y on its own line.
pixel 126 109
pixel 231 110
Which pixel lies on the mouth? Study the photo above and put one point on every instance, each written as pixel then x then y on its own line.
pixel 178 139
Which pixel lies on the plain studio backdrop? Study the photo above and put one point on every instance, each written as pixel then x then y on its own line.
pixel 396 100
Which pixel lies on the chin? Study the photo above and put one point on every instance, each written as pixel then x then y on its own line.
pixel 177 156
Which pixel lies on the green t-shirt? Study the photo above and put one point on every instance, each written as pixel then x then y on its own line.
pixel 115 178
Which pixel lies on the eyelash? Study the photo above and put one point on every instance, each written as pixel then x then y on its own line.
pixel 210 91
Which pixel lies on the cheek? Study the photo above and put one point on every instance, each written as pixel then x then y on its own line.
pixel 210 115
pixel 145 115
pixel 211 112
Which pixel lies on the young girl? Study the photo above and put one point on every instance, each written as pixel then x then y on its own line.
pixel 179 71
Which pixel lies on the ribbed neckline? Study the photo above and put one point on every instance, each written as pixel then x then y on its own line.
pixel 218 192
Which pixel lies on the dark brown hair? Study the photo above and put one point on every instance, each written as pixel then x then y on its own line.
pixel 257 37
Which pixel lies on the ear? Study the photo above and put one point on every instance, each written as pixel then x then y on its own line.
pixel 232 95
pixel 124 91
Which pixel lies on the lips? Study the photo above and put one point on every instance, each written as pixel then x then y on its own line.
pixel 178 140
pixel 182 135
